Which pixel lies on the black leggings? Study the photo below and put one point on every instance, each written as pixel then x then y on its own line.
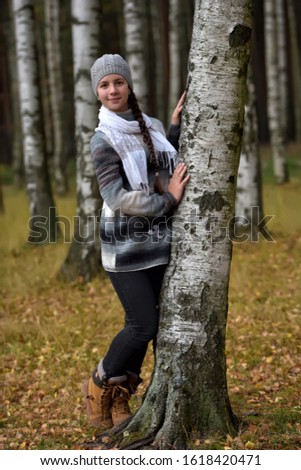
pixel 138 292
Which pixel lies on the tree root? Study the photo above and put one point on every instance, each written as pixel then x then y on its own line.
pixel 167 419
pixel 139 443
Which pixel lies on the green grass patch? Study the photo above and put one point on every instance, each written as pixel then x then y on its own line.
pixel 293 163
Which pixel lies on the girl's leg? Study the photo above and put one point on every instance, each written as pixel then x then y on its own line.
pixel 138 292
pixel 107 392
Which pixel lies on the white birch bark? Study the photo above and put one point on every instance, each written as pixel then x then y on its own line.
pixel 249 190
pixel 188 393
pixel 174 55
pixel 135 47
pixel 83 259
pixel 273 93
pixel 56 92
pixel 36 170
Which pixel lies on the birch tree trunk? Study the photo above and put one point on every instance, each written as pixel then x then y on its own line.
pixel 51 8
pixel 273 93
pixel 17 146
pixel 35 162
pixel 188 393
pixel 134 26
pixel 249 188
pixel 83 257
pixel 174 55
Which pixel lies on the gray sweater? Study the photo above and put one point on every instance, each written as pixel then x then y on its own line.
pixel 135 228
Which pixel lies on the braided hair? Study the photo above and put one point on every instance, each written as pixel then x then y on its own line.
pixel 133 103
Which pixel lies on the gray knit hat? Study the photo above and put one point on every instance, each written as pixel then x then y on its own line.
pixel 107 64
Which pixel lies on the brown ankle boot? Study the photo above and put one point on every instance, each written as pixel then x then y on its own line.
pixel 98 401
pixel 120 404
pixel 121 396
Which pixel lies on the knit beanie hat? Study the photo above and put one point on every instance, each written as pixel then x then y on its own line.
pixel 108 64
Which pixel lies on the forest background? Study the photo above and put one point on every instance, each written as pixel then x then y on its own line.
pixel 55 330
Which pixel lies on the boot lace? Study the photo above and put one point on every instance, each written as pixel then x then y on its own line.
pixel 121 397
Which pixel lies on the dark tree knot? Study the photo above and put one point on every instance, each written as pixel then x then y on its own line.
pixel 210 202
pixel 240 35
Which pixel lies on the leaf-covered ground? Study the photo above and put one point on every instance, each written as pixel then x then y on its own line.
pixel 55 333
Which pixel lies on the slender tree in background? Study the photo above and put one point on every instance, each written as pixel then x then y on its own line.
pixel 35 163
pixel 282 53
pixel 39 32
pixel 151 58
pixel 296 68
pixel 17 145
pixel 163 8
pixel 174 55
pixel 83 257
pixel 273 93
pixel 248 206
pixel 51 8
pixel 186 13
pixel 134 26
pixel 157 65
pixel 160 70
pixel 188 391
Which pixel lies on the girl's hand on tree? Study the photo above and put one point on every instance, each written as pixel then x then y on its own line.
pixel 178 181
pixel 176 115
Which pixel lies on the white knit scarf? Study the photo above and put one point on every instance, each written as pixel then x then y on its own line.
pixel 120 133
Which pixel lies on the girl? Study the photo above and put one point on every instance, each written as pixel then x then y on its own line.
pixel 140 183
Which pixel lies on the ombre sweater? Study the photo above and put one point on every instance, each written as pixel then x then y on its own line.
pixel 135 228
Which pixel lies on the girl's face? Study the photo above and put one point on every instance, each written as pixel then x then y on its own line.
pixel 113 92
